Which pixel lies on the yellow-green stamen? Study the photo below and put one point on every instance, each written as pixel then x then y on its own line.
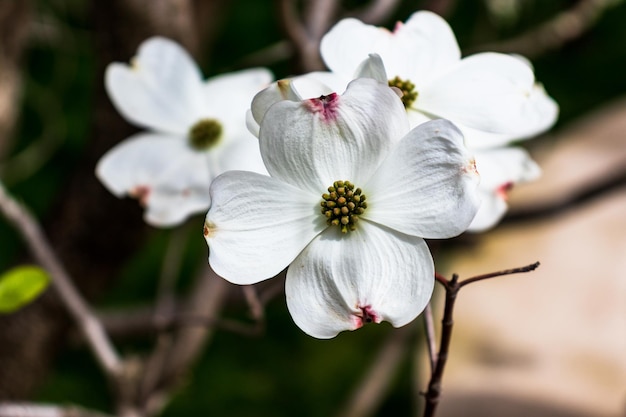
pixel 342 205
pixel 205 134
pixel 409 94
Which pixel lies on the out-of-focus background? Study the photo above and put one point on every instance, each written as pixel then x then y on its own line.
pixel 549 343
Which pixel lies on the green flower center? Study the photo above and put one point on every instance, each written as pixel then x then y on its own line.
pixel 205 134
pixel 409 94
pixel 343 205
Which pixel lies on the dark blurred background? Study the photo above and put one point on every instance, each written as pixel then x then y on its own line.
pixel 56 121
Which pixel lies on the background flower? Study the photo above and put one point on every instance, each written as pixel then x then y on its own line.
pixel 491 97
pixel 196 130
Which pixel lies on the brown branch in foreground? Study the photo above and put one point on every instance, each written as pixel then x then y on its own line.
pixel 452 288
pixel 563 28
pixel 40 410
pixel 80 311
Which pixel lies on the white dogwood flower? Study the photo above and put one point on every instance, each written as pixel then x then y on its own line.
pixel 195 130
pixel 493 98
pixel 351 194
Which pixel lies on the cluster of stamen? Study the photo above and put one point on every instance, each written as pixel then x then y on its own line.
pixel 205 133
pixel 342 205
pixel 409 94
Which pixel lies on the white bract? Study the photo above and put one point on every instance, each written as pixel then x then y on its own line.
pixel 493 98
pixel 195 130
pixel 351 194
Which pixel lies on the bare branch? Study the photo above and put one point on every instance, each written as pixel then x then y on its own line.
pixel 520 270
pixel 452 287
pixel 252 298
pixel 429 327
pixel 80 311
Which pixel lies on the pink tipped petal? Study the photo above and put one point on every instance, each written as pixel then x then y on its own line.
pixel 427 186
pixel 167 177
pixel 168 207
pixel 257 225
pixel 313 143
pixel 491 211
pixel 160 90
pixel 500 169
pixel 343 281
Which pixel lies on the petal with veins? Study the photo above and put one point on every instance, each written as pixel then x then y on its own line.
pixel 341 281
pixel 489 91
pixel 427 186
pixel 257 225
pixel 160 90
pixel 313 143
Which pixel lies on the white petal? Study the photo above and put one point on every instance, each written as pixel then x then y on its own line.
pixel 241 153
pixel 311 144
pixel 257 225
pixel 317 83
pixel 339 282
pixel 540 112
pixel 427 185
pixel 228 96
pixel 436 48
pixel 490 92
pixel 491 211
pixel 500 169
pixel 373 67
pixel 350 42
pixel 168 177
pixel 417 50
pixel 160 90
pixel 264 99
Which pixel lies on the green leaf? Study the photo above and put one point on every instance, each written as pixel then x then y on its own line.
pixel 20 286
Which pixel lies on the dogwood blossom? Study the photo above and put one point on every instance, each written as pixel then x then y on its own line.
pixel 351 194
pixel 493 98
pixel 195 130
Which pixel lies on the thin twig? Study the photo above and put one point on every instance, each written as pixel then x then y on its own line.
pixel 511 271
pixel 206 300
pixel 254 302
pixel 92 329
pixel 429 327
pixel 452 288
pixel 8 409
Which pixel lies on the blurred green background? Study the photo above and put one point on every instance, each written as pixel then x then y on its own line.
pixel 282 372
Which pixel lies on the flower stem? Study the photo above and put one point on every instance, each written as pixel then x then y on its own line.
pixel 452 288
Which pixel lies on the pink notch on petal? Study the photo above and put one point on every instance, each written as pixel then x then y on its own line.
pixel 326 106
pixel 141 193
pixel 503 190
pixel 366 315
